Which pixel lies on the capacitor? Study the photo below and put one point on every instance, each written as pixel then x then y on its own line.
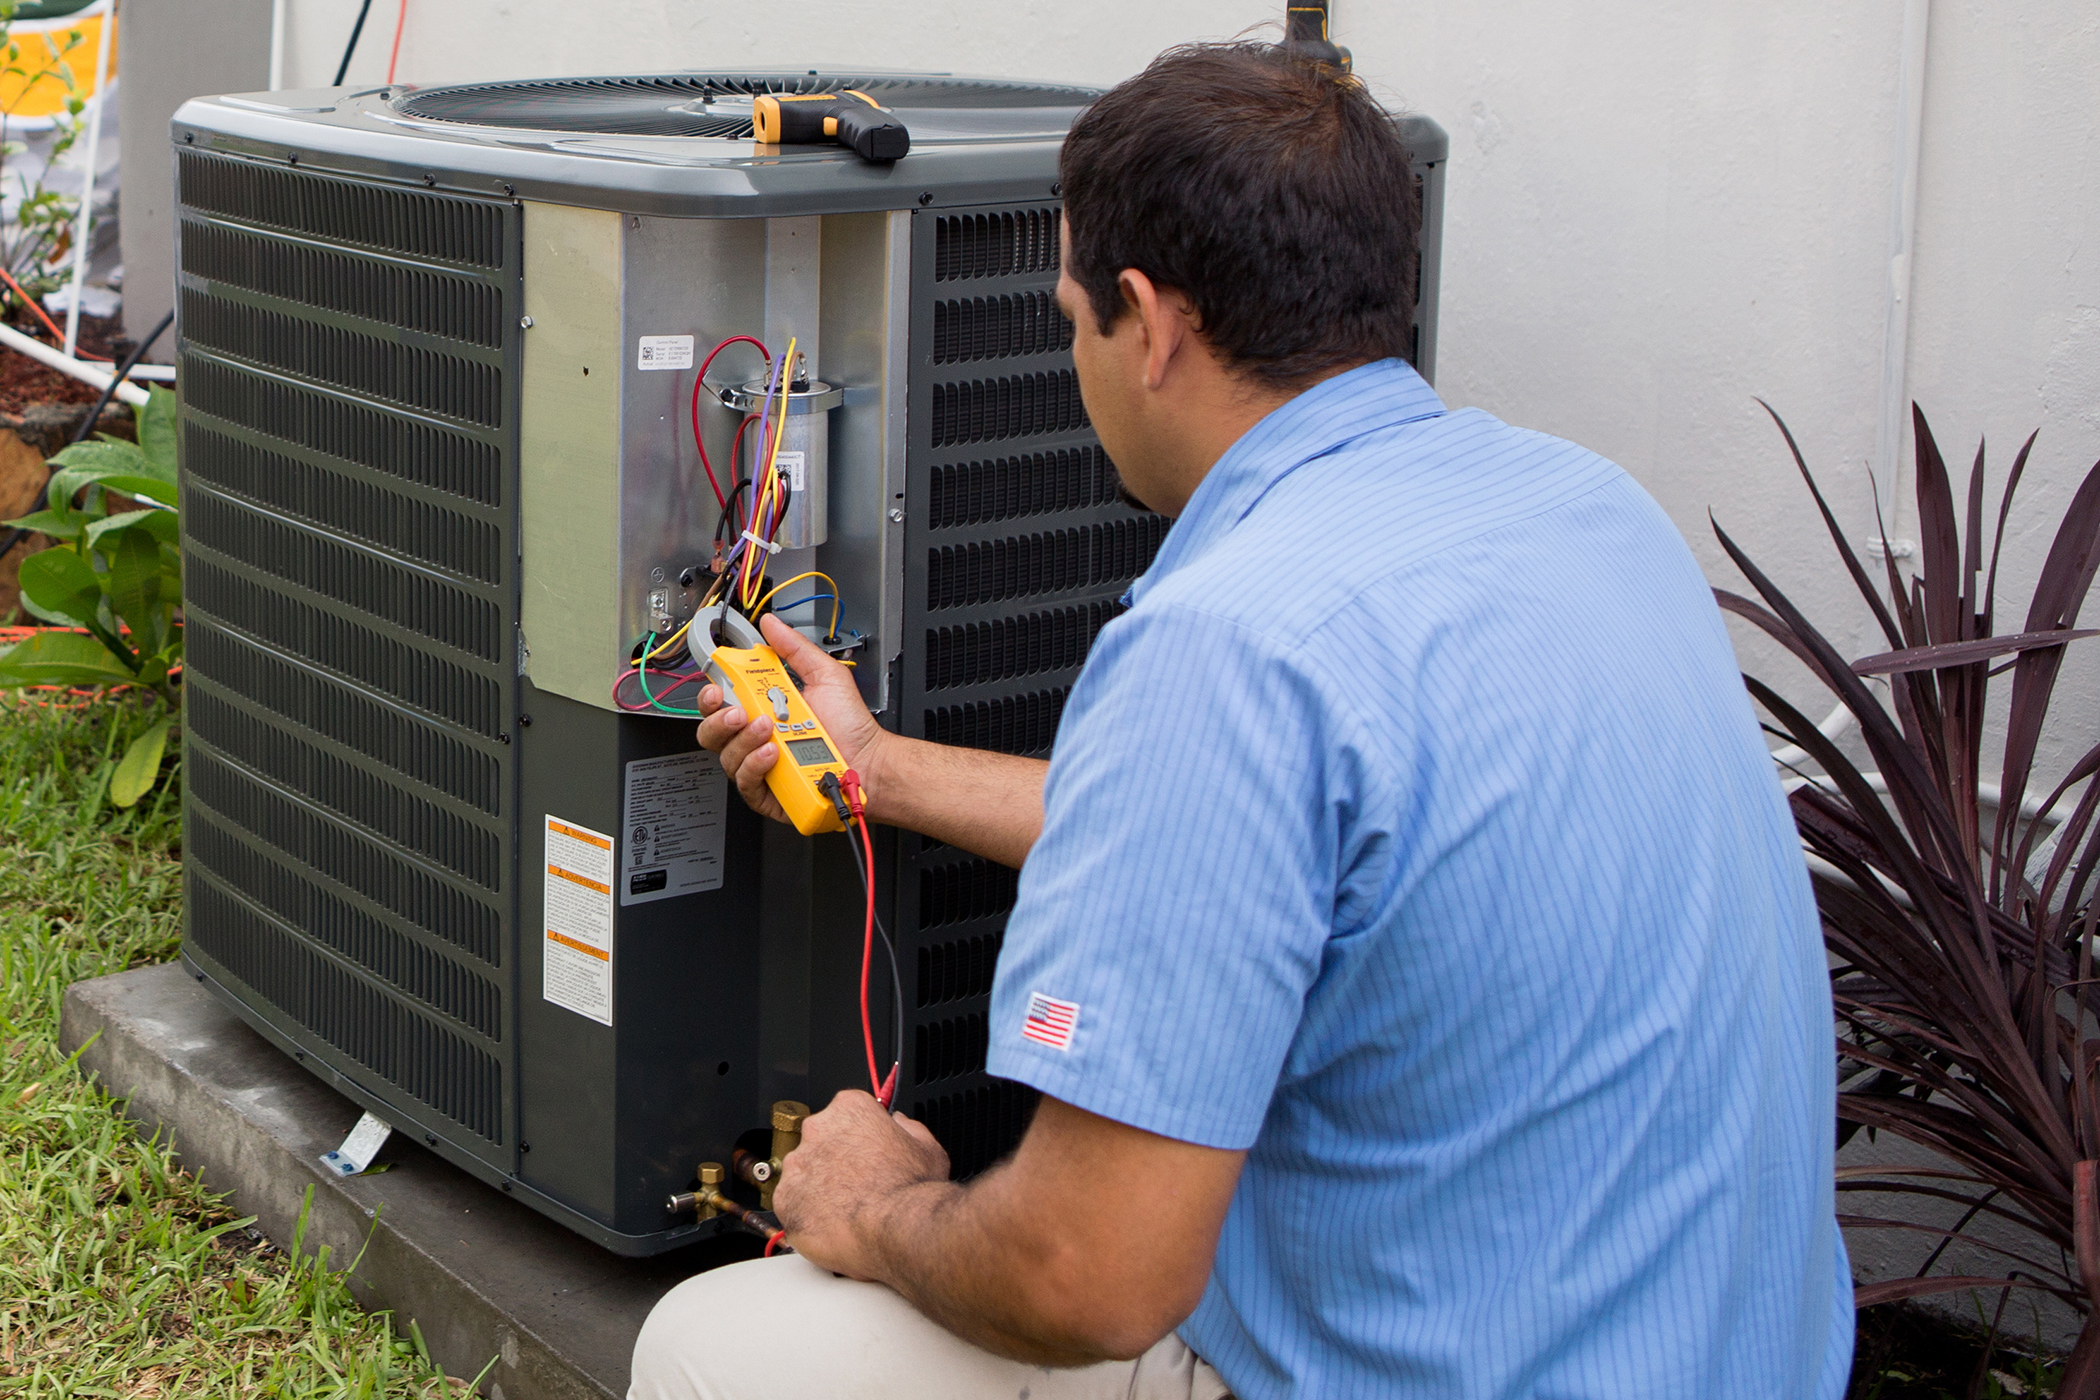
pixel 804 453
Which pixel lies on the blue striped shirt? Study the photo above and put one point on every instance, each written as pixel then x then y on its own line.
pixel 1413 832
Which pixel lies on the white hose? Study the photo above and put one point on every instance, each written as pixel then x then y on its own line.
pixel 66 364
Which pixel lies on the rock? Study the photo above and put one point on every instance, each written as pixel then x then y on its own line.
pixel 47 427
pixel 22 476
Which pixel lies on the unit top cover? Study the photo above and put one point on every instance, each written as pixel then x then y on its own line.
pixel 671 143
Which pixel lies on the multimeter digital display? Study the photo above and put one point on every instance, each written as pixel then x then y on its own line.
pixel 811 752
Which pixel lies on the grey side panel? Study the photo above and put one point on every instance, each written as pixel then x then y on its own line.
pixel 866 323
pixel 618 1117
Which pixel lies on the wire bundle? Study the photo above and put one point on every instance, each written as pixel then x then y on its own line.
pixel 740 576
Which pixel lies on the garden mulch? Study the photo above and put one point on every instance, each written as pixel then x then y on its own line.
pixel 25 382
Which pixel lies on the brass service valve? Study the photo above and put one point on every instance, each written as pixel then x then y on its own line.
pixel 788 1117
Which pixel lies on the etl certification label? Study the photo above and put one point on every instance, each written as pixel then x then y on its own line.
pixel 579 910
pixel 675 817
pixel 664 352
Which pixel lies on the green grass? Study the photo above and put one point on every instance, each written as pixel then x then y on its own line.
pixel 119 1274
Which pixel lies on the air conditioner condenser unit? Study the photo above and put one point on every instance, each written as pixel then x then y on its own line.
pixel 438 358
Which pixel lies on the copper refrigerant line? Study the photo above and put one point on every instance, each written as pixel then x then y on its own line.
pixel 761 1172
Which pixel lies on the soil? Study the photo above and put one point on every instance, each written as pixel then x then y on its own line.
pixel 1902 1352
pixel 24 382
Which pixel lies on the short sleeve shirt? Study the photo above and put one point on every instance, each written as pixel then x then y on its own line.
pixel 1412 832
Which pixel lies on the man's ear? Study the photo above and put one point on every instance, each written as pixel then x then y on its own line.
pixel 1163 323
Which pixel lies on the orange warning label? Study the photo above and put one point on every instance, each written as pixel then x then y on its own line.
pixel 603 843
pixel 583 880
pixel 584 948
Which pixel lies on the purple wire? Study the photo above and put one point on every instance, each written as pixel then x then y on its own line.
pixel 765 408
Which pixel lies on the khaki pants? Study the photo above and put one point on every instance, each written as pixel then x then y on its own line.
pixel 784 1329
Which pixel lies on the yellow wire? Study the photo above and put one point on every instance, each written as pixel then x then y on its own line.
pixel 667 644
pixel 759 606
pixel 761 509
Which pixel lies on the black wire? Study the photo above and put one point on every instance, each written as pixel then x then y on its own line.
pixel 130 362
pixel 896 978
pixel 351 47
pixel 729 508
pixel 87 424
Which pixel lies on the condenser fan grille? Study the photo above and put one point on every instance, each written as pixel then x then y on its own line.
pixel 701 104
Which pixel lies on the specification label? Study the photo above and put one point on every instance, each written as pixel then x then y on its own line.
pixel 674 818
pixel 792 466
pixel 664 352
pixel 579 911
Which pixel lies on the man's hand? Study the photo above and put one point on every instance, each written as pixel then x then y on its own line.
pixel 1093 1240
pixel 856 1158
pixel 988 803
pixel 745 742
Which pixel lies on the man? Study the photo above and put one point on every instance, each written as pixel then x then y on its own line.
pixel 1447 1013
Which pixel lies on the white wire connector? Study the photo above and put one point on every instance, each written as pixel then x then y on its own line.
pixel 767 545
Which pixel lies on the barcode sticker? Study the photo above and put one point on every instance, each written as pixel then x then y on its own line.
pixel 664 352
pixel 791 465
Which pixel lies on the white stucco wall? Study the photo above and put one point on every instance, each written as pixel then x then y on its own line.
pixel 1656 212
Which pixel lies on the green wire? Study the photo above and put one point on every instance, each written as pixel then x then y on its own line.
pixel 654 703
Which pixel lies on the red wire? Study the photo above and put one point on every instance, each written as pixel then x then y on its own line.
pixel 735 445
pixel 49 324
pixel 849 782
pixel 773 1242
pixel 700 382
pixel 400 23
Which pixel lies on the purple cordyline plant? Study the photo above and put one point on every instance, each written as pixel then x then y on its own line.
pixel 1960 919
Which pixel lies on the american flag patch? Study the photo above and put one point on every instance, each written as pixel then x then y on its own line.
pixel 1050 1021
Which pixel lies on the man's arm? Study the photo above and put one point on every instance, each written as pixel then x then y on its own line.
pixel 1092 1242
pixel 990 804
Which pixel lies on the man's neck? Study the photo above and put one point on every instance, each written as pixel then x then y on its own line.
pixel 1213 413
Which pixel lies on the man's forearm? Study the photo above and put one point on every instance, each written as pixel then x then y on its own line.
pixel 936 1249
pixel 990 804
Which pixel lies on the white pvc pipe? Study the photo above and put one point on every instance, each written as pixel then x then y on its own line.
pixel 1835 723
pixel 276 45
pixel 1894 417
pixel 66 364
pixel 1987 795
pixel 87 187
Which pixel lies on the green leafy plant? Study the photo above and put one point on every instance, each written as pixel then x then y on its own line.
pixel 1959 912
pixel 116 577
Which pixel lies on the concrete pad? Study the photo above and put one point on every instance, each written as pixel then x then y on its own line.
pixel 482 1276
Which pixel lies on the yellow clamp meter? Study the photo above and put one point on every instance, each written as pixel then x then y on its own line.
pixel 751 672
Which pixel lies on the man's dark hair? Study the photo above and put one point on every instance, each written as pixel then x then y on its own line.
pixel 1272 191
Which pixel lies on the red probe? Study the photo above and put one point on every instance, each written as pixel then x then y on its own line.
pixel 856 805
